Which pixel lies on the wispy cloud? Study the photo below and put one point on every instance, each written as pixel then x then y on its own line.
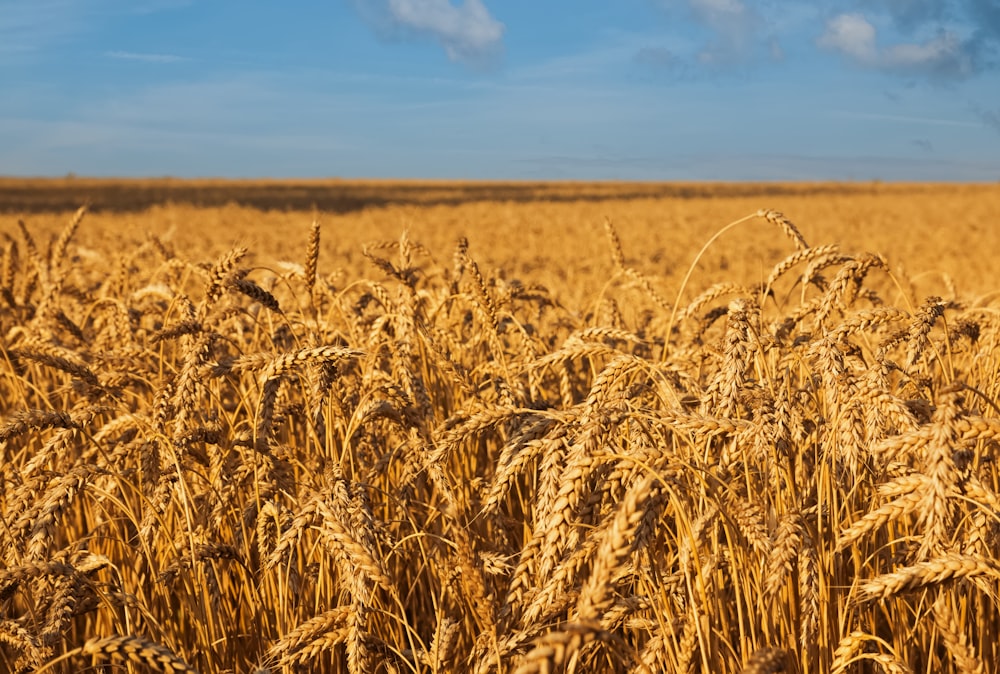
pixel 468 32
pixel 656 57
pixel 991 118
pixel 939 38
pixel 914 16
pixel 734 32
pixel 911 15
pixel 29 27
pixel 146 58
pixel 853 35
pixel 905 119
pixel 734 24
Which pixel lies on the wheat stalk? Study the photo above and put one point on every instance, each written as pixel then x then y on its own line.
pixel 948 567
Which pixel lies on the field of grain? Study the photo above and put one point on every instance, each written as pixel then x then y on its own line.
pixel 633 432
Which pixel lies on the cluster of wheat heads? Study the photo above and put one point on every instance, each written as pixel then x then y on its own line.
pixel 428 468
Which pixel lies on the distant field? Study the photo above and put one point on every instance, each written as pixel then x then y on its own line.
pixel 515 428
pixel 536 228
pixel 340 196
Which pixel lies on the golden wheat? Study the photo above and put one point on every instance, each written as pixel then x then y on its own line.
pixel 525 460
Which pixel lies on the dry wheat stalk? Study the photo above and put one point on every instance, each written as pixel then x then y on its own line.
pixel 11 260
pixel 689 644
pixel 217 277
pixel 344 538
pixel 26 420
pixel 557 647
pixel 57 357
pixel 40 269
pixel 133 648
pixel 947 567
pixel 615 544
pixel 889 663
pixel 617 255
pixel 441 652
pixel 846 650
pixel 749 519
pixel 810 601
pixel 312 255
pixel 304 641
pixel 784 550
pixel 738 349
pixel 58 252
pixel 766 661
pixel 538 441
pixel 713 293
pixel 790 230
pixel 32 652
pixel 937 516
pixel 846 286
pixel 953 632
pixel 865 320
pixel 905 504
pixel 254 292
pixel 38 524
pixel 67 596
pixel 799 256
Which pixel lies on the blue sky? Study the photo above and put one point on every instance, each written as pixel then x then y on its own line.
pixel 512 89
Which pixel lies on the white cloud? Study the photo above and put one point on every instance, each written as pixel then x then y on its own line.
pixel 944 50
pixel 854 36
pixel 721 13
pixel 737 31
pixel 33 27
pixel 147 58
pixel 850 34
pixel 468 32
pixel 734 24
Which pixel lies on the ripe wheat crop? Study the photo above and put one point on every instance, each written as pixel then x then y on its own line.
pixel 407 459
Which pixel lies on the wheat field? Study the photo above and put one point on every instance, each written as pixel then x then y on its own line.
pixel 630 435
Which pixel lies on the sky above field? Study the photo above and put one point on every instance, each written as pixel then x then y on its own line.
pixel 511 89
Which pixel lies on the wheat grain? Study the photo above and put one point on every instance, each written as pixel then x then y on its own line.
pixel 948 567
pixel 785 550
pixel 953 632
pixel 141 651
pixel 312 255
pixel 790 230
pixel 614 545
pixel 555 648
pixel 766 661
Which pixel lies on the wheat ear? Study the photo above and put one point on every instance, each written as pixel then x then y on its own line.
pixel 130 648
